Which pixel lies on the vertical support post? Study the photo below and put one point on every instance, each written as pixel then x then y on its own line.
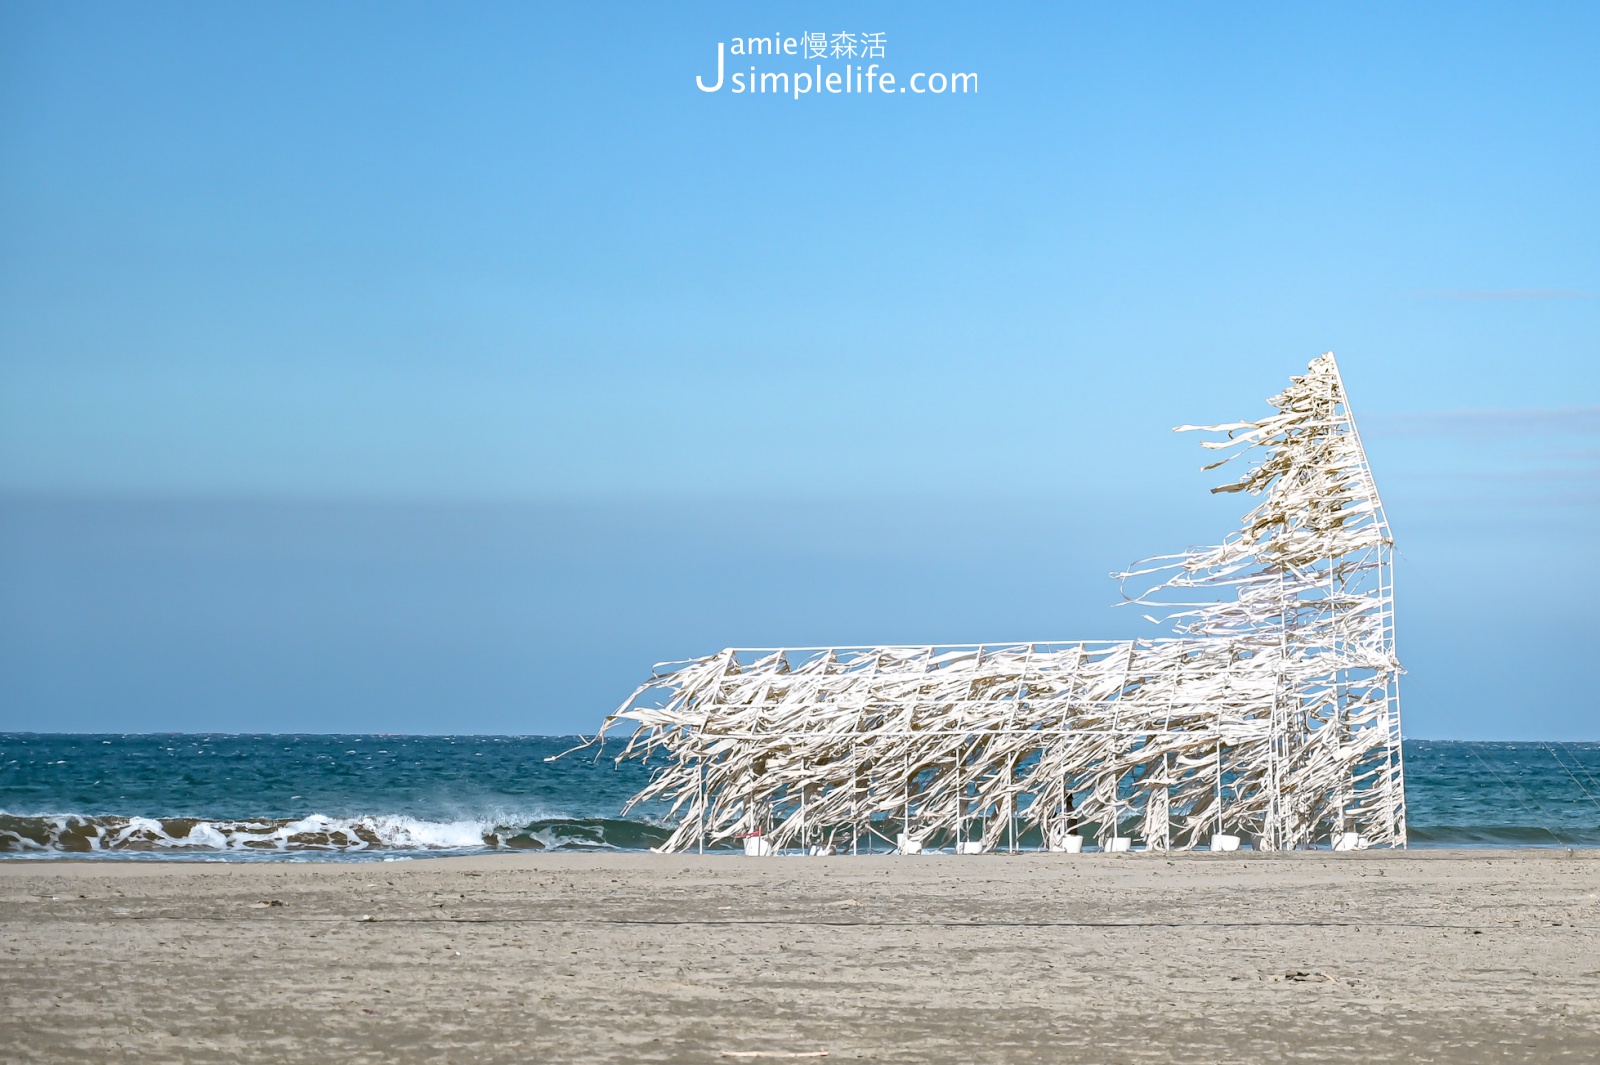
pixel 906 826
pixel 961 798
pixel 855 800
pixel 805 830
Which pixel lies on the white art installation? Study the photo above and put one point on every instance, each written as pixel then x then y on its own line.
pixel 1271 715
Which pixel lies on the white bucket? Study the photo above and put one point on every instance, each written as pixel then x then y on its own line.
pixel 1348 841
pixel 823 851
pixel 969 847
pixel 756 847
pixel 1069 844
pixel 1117 844
pixel 907 845
pixel 1220 842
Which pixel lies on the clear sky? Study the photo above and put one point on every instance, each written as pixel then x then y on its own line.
pixel 398 367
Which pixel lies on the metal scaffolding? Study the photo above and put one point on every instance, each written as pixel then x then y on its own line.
pixel 1271 716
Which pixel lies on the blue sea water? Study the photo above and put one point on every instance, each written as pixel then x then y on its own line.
pixel 366 797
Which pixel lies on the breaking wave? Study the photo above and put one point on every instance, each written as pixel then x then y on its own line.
pixel 1502 836
pixel 85 834
pixel 393 835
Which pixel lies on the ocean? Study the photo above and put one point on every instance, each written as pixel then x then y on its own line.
pixel 363 798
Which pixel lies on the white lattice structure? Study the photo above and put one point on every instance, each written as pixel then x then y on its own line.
pixel 1272 715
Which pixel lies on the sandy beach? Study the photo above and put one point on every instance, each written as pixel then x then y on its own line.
pixel 1427 956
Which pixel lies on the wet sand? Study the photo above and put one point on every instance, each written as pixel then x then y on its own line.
pixel 1449 956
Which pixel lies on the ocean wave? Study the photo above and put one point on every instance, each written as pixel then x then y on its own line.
pixel 83 834
pixel 71 833
pixel 1502 836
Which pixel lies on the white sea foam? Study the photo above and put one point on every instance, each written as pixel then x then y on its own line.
pixel 408 833
pixel 314 832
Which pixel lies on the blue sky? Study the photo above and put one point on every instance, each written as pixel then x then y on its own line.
pixel 425 368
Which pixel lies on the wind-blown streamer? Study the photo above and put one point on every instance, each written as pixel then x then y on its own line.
pixel 1273 713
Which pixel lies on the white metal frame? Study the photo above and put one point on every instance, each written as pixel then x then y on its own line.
pixel 1273 714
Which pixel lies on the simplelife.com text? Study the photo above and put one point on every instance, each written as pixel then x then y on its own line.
pixel 738 71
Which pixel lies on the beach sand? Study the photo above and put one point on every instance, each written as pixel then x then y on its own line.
pixel 1457 956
